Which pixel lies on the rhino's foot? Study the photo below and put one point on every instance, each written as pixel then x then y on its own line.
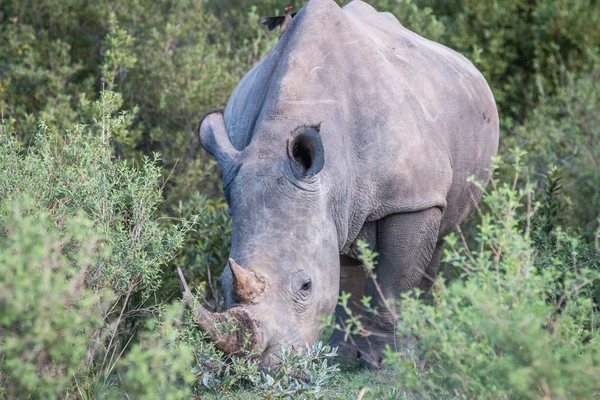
pixel 368 351
pixel 372 349
pixel 370 364
pixel 347 353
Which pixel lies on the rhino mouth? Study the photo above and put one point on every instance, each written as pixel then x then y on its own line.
pixel 233 331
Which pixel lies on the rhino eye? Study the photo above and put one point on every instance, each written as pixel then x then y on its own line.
pixel 306 285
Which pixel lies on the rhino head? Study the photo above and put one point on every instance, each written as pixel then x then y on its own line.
pixel 283 270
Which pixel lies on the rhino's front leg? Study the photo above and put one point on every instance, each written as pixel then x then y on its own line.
pixel 408 256
pixel 352 281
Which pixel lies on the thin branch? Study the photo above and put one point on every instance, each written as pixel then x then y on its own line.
pixel 528 223
pixel 213 292
pixel 130 289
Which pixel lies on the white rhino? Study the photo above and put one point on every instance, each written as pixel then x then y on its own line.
pixel 352 127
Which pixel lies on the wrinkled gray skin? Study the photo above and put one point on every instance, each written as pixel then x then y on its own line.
pixel 384 127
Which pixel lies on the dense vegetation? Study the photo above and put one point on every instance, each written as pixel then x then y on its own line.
pixel 104 192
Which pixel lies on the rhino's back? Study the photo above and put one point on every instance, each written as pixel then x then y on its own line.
pixel 442 99
pixel 410 119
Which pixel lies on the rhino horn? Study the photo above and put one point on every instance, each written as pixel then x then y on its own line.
pixel 217 326
pixel 247 284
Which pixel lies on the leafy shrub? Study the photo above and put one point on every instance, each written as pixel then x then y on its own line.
pixel 77 174
pixel 48 316
pixel 50 319
pixel 159 364
pixel 206 246
pixel 564 131
pixel 519 324
pixel 171 62
pixel 301 373
pixel 518 45
pixel 551 207
pixel 81 254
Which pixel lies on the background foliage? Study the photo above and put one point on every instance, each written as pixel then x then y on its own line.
pixel 104 190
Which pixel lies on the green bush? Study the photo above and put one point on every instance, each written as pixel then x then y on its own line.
pixel 171 61
pixel 158 364
pixel 205 248
pixel 48 316
pixel 519 45
pixel 564 131
pixel 81 253
pixel 50 319
pixel 301 374
pixel 76 173
pixel 521 323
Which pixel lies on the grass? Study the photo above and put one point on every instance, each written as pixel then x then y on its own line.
pixel 352 383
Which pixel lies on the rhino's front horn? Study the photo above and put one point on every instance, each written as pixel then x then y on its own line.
pixel 247 284
pixel 217 326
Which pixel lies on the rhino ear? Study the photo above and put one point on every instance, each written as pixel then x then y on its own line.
pixel 214 138
pixel 305 150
